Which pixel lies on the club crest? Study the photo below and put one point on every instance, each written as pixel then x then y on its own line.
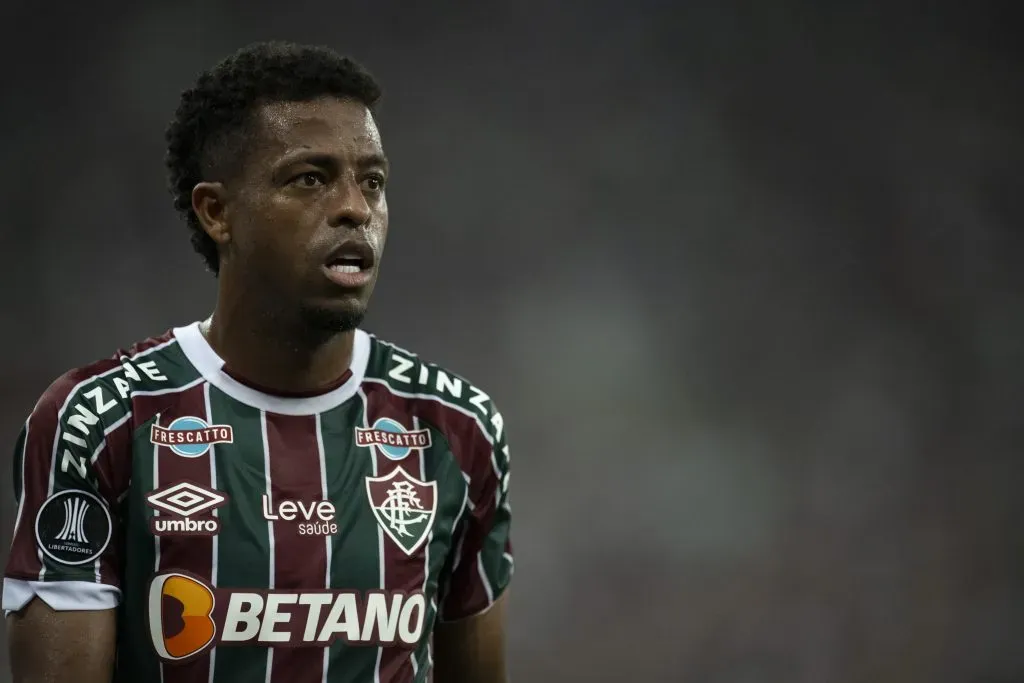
pixel 404 507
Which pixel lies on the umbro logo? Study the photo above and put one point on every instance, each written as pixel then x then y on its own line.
pixel 185 509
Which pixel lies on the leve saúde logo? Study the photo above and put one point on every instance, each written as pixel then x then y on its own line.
pixel 305 517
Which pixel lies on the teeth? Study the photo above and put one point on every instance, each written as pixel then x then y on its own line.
pixel 345 268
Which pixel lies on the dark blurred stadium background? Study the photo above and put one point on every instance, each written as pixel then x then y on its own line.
pixel 746 283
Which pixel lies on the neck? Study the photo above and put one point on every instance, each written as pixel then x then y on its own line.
pixel 270 353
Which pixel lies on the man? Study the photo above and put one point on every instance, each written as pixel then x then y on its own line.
pixel 271 494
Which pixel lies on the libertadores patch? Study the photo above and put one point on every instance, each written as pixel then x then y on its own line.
pixel 404 507
pixel 73 527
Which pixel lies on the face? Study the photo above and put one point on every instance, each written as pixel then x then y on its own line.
pixel 303 223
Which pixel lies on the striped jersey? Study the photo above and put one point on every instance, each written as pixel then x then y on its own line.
pixel 247 536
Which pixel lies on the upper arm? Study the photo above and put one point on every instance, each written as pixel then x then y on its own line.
pixel 62 578
pixel 47 646
pixel 472 650
pixel 469 638
pixel 71 463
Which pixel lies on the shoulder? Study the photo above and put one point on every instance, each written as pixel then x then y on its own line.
pixel 455 404
pixel 101 390
pixel 80 412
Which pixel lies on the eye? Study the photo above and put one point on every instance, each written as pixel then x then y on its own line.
pixel 309 179
pixel 373 183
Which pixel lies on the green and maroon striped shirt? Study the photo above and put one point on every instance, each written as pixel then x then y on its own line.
pixel 245 536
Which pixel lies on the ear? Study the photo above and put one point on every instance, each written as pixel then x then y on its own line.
pixel 209 201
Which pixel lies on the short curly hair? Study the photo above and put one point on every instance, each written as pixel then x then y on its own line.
pixel 210 121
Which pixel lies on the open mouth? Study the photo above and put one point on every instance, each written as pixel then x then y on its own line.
pixel 347 264
pixel 351 257
pixel 351 264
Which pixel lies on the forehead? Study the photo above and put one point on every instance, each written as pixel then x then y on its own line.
pixel 331 125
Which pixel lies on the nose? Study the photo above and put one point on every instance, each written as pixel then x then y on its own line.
pixel 348 206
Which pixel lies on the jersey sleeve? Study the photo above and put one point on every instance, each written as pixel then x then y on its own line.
pixel 66 541
pixel 481 565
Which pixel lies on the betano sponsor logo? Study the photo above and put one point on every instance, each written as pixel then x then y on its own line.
pixel 190 437
pixel 186 617
pixel 186 510
pixel 315 518
pixel 393 440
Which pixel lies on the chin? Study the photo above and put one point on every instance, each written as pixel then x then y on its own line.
pixel 345 317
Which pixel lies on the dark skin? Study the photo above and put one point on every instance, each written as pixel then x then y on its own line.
pixel 472 650
pixel 46 646
pixel 314 177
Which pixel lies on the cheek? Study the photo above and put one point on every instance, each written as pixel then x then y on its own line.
pixel 260 245
pixel 271 254
pixel 279 232
pixel 377 236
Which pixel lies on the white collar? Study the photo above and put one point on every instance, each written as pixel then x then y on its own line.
pixel 210 365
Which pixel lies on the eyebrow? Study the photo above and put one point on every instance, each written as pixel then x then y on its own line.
pixel 331 161
pixel 371 160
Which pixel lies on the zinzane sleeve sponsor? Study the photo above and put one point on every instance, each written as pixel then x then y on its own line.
pixel 66 537
pixel 481 565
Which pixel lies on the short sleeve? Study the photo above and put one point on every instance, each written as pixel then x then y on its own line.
pixel 481 565
pixel 65 547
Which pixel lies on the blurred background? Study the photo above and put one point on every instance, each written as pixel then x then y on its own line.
pixel 745 281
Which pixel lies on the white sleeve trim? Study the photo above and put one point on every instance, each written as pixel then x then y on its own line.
pixel 62 596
